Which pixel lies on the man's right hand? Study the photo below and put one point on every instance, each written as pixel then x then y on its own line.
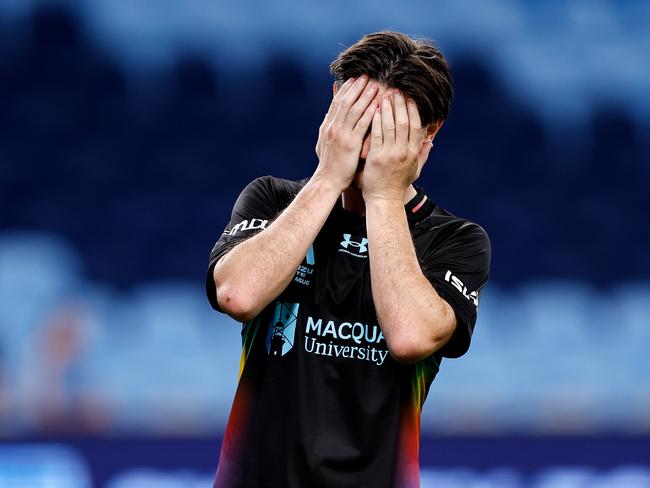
pixel 257 270
pixel 341 134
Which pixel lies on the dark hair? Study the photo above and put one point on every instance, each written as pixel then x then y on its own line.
pixel 414 66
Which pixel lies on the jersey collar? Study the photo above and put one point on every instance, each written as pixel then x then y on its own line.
pixel 417 208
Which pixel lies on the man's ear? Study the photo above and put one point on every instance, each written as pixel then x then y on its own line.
pixel 334 89
pixel 432 130
pixel 427 143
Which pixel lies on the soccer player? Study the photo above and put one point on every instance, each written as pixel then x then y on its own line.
pixel 352 285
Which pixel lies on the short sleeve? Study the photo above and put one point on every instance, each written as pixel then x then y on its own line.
pixel 253 211
pixel 458 269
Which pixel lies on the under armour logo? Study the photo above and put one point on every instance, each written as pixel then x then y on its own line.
pixel 361 245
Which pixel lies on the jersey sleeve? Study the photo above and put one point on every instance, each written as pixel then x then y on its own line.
pixel 458 268
pixel 253 211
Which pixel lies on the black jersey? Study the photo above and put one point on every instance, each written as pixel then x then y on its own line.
pixel 320 402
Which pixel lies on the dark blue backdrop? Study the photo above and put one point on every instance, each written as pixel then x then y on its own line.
pixel 143 185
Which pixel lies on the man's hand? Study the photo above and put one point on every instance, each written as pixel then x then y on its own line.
pixel 414 319
pixel 398 149
pixel 341 134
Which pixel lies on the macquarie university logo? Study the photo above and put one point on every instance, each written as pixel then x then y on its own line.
pixel 354 248
pixel 282 329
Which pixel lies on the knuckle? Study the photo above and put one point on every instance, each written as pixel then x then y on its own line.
pixel 348 143
pixel 346 101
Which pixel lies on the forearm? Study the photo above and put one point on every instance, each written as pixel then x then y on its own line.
pixel 414 319
pixel 257 270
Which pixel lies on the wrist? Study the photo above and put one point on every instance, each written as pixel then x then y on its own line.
pixel 328 183
pixel 383 205
pixel 384 197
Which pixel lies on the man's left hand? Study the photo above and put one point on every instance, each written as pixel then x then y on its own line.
pixel 398 149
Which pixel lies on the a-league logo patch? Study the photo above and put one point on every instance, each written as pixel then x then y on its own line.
pixel 282 329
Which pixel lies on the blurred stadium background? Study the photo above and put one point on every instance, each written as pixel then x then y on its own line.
pixel 127 129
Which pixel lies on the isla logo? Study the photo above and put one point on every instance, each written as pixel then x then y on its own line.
pixel 472 296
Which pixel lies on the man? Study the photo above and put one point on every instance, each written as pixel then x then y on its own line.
pixel 352 286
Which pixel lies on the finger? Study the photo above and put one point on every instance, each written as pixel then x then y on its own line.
pixel 366 119
pixel 350 98
pixel 376 133
pixel 387 120
pixel 340 93
pixel 415 125
pixel 401 120
pixel 359 108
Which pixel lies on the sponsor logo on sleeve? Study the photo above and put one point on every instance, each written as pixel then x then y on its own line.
pixel 245 225
pixel 457 283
